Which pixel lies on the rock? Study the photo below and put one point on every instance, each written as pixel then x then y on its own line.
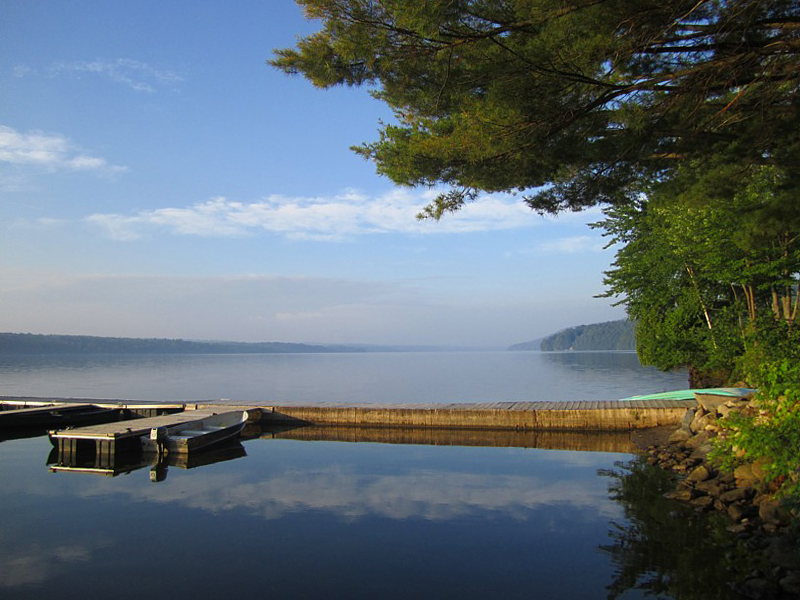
pixel 710 402
pixel 723 410
pixel 698 440
pixel 771 511
pixel 760 467
pixel 791 583
pixel 702 451
pixel 736 495
pixel 687 418
pixel 738 528
pixel 699 474
pixel 710 487
pixel 702 502
pixel 682 494
pixel 700 421
pixel 680 435
pixel 737 512
pixel 745 478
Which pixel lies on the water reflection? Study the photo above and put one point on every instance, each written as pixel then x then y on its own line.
pixel 379 520
pixel 665 549
pixel 65 461
pixel 588 441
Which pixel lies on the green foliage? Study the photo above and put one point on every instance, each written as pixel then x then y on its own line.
pixel 586 97
pixel 711 285
pixel 771 432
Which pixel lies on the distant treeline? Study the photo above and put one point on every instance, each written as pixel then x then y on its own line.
pixel 613 335
pixel 27 343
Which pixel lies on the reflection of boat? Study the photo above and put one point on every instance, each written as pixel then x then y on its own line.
pixel 690 394
pixel 194 435
pixel 158 464
pixel 227 450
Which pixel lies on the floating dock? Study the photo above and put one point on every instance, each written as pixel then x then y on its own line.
pixel 612 415
pixel 109 439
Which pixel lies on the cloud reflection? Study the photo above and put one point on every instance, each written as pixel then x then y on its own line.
pixel 31 564
pixel 433 495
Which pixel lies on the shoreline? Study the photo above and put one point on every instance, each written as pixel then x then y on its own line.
pixel 743 496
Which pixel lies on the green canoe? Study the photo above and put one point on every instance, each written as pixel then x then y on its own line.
pixel 689 394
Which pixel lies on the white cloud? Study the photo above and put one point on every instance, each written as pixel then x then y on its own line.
pixel 20 71
pixel 571 245
pixel 134 74
pixel 337 217
pixel 49 151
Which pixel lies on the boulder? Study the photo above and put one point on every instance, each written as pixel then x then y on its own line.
pixel 723 410
pixel 710 402
pixel 702 451
pixel 771 511
pixel 702 502
pixel 745 478
pixel 700 473
pixel 737 512
pixel 695 425
pixel 710 487
pixel 702 420
pixel 680 435
pixel 736 495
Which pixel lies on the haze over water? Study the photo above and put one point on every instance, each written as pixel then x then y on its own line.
pixel 369 377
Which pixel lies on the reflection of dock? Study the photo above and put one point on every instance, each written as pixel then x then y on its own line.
pixel 71 462
pixel 585 441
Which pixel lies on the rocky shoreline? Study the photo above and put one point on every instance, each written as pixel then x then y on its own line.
pixel 757 518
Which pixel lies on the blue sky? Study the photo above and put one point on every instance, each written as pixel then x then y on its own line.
pixel 159 179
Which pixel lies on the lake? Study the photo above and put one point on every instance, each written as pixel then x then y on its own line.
pixel 362 377
pixel 456 517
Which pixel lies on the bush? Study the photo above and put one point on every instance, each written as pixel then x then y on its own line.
pixel 771 430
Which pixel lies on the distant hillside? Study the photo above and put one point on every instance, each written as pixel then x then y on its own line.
pixel 613 335
pixel 27 343
pixel 532 345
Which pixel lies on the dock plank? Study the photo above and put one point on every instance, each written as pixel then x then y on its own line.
pixel 135 427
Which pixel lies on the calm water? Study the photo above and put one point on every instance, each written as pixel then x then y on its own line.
pixel 379 377
pixel 329 519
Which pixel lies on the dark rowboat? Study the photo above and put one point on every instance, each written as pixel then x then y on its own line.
pixel 194 435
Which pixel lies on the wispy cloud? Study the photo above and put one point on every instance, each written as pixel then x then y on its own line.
pixel 571 245
pixel 134 74
pixel 20 71
pixel 337 217
pixel 50 151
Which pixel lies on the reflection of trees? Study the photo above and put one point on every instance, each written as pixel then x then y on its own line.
pixel 665 549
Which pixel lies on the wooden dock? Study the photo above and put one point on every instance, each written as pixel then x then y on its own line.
pixel 612 415
pixel 109 439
